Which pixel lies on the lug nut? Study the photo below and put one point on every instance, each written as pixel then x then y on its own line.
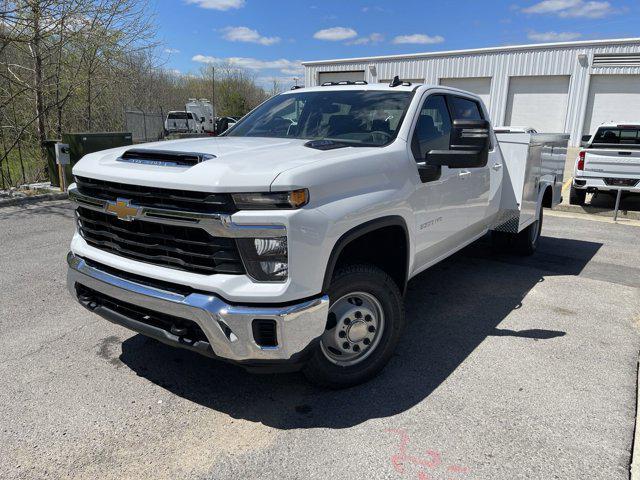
pixel 372 328
pixel 366 341
pixel 345 345
pixel 358 314
pixel 342 334
pixel 347 321
pixel 368 318
pixel 356 348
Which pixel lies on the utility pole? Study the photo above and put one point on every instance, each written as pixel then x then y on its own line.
pixel 213 89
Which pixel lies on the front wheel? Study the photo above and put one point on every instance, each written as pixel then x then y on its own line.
pixel 365 321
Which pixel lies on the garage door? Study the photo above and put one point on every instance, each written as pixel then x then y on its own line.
pixel 538 102
pixel 481 86
pixel 340 77
pixel 612 98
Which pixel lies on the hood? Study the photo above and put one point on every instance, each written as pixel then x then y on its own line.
pixel 240 163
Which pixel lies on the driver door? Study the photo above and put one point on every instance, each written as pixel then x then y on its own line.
pixel 439 199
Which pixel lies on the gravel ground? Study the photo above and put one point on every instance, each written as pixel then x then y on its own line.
pixel 510 368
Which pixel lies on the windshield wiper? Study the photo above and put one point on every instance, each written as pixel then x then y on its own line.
pixel 326 144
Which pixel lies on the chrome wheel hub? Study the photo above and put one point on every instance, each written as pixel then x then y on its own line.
pixel 354 328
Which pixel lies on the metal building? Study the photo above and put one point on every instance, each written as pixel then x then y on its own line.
pixel 568 87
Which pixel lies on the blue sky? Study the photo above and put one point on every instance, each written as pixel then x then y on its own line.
pixel 270 37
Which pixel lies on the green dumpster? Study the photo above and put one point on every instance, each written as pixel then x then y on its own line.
pixel 81 144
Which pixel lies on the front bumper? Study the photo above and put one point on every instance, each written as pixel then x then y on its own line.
pixel 228 328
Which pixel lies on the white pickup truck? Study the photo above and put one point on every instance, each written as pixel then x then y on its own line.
pixel 609 162
pixel 288 243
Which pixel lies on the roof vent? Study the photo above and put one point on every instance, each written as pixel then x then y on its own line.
pixel 616 60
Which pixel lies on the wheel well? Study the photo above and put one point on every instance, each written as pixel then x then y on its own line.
pixel 386 247
pixel 547 198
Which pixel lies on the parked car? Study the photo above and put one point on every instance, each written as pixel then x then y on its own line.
pixel 182 122
pixel 609 162
pixel 224 123
pixel 287 243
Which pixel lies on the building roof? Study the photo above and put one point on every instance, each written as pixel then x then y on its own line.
pixel 511 48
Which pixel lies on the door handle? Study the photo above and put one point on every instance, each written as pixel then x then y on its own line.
pixel 497 166
pixel 464 173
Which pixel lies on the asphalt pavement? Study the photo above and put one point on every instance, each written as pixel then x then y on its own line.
pixel 510 368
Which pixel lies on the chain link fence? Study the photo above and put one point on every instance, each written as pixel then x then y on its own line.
pixel 145 126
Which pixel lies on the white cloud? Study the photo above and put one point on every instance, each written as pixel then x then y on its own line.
pixel 218 4
pixel 245 34
pixel 282 64
pixel 171 51
pixel 375 8
pixel 335 34
pixel 373 39
pixel 572 8
pixel 418 38
pixel 553 36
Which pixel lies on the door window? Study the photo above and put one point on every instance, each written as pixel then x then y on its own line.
pixel 465 109
pixel 433 128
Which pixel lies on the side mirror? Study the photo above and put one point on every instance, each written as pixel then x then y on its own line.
pixel 468 146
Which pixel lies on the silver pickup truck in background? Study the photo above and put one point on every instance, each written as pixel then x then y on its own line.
pixel 609 162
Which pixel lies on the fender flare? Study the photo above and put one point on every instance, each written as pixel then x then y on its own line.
pixel 359 231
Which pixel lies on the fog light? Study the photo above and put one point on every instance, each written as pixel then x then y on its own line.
pixel 265 259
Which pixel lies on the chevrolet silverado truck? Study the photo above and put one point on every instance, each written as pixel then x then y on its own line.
pixel 287 243
pixel 609 162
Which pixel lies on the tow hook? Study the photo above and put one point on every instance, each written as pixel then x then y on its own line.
pixel 179 331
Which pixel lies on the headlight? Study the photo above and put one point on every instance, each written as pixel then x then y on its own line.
pixel 266 259
pixel 269 201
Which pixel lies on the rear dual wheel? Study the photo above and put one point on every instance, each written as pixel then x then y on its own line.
pixel 524 243
pixel 365 321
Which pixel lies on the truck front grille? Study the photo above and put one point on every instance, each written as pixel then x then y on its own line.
pixel 162 198
pixel 183 248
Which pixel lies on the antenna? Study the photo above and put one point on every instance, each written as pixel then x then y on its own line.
pixel 396 82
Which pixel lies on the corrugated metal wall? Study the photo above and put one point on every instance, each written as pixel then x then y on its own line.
pixel 500 66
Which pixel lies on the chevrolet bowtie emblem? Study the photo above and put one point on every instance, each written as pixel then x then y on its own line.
pixel 123 209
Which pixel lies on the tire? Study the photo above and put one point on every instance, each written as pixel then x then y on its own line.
pixel 577 197
pixel 333 366
pixel 527 241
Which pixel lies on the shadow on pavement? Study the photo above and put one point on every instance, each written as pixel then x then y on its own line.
pixel 451 309
pixel 607 201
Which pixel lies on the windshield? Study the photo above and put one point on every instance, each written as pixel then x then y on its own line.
pixel 355 118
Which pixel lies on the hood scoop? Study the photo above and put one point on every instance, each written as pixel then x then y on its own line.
pixel 164 158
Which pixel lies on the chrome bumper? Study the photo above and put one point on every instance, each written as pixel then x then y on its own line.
pixel 228 328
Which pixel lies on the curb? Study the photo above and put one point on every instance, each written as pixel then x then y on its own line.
pixel 12 202
pixel 601 212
